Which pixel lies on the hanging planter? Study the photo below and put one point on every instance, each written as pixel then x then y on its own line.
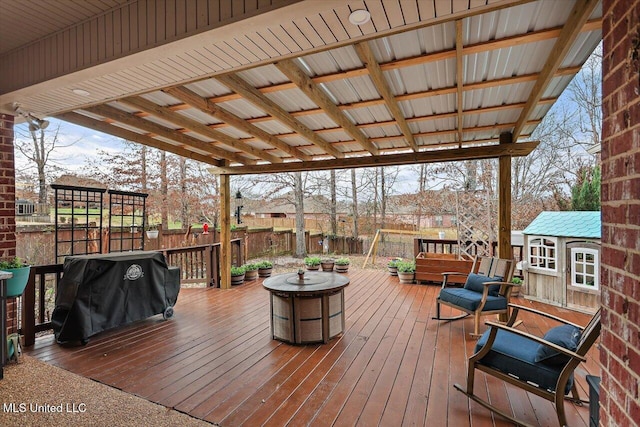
pixel 152 234
pixel 20 271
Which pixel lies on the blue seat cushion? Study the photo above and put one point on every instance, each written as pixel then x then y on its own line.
pixel 515 355
pixel 470 300
pixel 475 282
pixel 566 336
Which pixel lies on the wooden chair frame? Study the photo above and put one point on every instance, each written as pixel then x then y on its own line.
pixel 486 266
pixel 590 334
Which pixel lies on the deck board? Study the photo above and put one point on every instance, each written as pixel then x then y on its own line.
pixel 393 365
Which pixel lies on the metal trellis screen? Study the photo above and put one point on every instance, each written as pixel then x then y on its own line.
pixel 78 220
pixel 127 220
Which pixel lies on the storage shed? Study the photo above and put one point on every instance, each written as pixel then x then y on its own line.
pixel 562 253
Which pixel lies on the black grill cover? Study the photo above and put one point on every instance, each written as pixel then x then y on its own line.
pixel 102 291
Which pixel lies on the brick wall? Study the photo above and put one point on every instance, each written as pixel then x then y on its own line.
pixel 7 205
pixel 620 338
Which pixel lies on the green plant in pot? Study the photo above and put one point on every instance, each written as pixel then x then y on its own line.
pixel 20 271
pixel 265 268
pixel 250 272
pixel 312 262
pixel 392 266
pixel 406 271
pixel 237 275
pixel 515 291
pixel 342 265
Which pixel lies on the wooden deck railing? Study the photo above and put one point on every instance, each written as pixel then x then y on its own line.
pixel 198 264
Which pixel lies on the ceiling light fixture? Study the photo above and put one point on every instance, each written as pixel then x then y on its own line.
pixel 34 122
pixel 359 17
pixel 81 92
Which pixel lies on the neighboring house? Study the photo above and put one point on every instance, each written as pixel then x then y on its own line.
pixel 562 253
pixel 315 207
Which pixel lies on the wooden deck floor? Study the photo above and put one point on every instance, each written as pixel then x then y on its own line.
pixel 393 366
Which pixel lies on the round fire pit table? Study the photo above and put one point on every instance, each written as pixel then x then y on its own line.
pixel 307 307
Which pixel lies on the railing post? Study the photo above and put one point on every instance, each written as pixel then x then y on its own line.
pixel 28 310
pixel 208 263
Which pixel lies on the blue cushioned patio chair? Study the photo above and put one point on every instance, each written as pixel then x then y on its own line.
pixel 485 292
pixel 542 366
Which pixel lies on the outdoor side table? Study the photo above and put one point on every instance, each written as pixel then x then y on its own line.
pixel 307 309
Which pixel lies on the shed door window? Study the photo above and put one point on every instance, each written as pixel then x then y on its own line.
pixel 585 268
pixel 543 253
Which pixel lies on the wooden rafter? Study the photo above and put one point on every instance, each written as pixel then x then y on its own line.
pixel 375 73
pixel 154 128
pixel 409 96
pixel 317 95
pixel 203 104
pixel 459 79
pixel 434 156
pixel 167 114
pixel 531 37
pixel 253 95
pixel 103 126
pixel 504 126
pixel 565 39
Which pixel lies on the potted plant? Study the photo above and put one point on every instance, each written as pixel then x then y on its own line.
pixel 237 275
pixel 152 232
pixel 406 271
pixel 515 290
pixel 312 262
pixel 265 268
pixel 342 265
pixel 327 264
pixel 250 272
pixel 392 266
pixel 20 271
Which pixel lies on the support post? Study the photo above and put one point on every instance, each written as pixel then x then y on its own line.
pixel 225 232
pixel 504 201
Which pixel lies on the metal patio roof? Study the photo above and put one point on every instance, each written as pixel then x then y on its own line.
pixel 305 89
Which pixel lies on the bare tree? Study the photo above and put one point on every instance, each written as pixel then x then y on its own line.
pixel 38 147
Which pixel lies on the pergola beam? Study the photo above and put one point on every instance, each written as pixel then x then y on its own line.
pixel 567 36
pixel 321 99
pixel 154 128
pixel 106 127
pixel 433 156
pixel 377 77
pixel 167 114
pixel 205 105
pixel 459 79
pixel 254 96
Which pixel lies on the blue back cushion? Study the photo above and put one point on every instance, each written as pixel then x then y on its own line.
pixel 475 283
pixel 566 336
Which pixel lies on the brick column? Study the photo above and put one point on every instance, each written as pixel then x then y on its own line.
pixel 8 206
pixel 620 276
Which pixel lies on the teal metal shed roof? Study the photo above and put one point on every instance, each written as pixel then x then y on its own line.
pixel 566 224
